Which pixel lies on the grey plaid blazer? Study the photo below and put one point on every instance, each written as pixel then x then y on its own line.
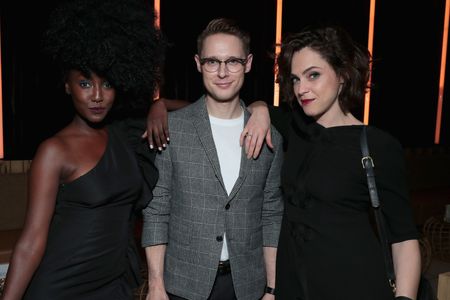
pixel 191 209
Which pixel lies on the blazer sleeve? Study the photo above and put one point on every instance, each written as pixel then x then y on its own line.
pixel 156 214
pixel 272 210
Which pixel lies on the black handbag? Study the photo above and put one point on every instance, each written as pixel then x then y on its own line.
pixel 425 291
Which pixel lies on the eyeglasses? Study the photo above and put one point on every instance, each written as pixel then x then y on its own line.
pixel 232 64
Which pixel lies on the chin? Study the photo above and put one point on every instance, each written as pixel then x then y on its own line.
pixel 311 114
pixel 223 97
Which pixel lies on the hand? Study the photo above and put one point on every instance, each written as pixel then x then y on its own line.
pixel 256 130
pixel 157 132
pixel 268 296
pixel 156 292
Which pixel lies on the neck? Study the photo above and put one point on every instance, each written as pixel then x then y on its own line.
pixel 223 110
pixel 84 126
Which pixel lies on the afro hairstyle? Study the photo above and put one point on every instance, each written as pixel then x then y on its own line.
pixel 115 39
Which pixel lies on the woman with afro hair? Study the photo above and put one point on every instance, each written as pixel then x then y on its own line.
pixel 89 181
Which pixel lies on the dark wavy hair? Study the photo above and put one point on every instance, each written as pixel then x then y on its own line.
pixel 227 26
pixel 348 59
pixel 115 39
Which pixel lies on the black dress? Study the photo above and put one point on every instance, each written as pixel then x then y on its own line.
pixel 91 252
pixel 328 248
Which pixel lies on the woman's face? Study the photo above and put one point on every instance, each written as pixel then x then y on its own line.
pixel 92 97
pixel 316 86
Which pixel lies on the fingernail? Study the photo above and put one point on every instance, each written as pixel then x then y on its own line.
pixel 151 146
pixel 168 139
pixel 159 148
pixel 164 145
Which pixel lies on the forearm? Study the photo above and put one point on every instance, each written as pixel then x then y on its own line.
pixel 407 266
pixel 270 256
pixel 174 104
pixel 23 264
pixel 155 264
pixel 257 105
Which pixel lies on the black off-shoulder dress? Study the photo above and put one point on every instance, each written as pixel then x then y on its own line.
pixel 91 252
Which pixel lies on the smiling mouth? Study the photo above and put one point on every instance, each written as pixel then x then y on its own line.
pixel 306 101
pixel 223 84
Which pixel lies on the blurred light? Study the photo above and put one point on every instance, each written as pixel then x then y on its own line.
pixel 370 47
pixel 2 153
pixel 276 88
pixel 437 132
pixel 157 10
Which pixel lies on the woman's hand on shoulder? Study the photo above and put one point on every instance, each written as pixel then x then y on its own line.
pixel 157 132
pixel 256 130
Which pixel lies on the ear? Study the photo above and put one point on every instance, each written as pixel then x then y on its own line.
pixel 341 84
pixel 67 88
pixel 197 61
pixel 248 65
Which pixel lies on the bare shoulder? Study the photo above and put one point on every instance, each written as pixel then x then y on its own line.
pixel 51 154
pixel 54 146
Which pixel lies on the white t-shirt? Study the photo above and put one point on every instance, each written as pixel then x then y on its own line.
pixel 226 133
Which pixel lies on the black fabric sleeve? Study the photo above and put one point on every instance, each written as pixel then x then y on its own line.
pixel 133 130
pixel 391 179
pixel 281 117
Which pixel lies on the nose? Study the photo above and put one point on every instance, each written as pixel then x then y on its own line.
pixel 223 71
pixel 301 89
pixel 98 94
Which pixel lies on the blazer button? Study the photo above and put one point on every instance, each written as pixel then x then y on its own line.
pixel 219 238
pixel 227 207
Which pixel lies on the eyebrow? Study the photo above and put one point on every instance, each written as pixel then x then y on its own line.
pixel 215 57
pixel 310 68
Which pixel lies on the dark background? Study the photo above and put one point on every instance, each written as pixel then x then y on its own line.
pixel 407 52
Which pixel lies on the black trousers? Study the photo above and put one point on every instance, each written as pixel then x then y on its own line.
pixel 223 288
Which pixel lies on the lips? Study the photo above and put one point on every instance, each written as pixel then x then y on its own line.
pixel 306 101
pixel 223 85
pixel 97 110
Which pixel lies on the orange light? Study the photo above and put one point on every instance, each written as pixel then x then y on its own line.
pixel 276 88
pixel 2 153
pixel 157 9
pixel 370 47
pixel 437 132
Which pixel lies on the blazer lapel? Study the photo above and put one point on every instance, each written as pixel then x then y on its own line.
pixel 245 162
pixel 203 127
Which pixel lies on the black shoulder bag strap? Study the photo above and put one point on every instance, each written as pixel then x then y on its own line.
pixel 368 165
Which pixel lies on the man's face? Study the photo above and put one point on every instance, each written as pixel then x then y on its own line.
pixel 226 52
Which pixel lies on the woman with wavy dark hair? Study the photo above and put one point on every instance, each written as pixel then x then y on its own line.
pixel 328 248
pixel 89 181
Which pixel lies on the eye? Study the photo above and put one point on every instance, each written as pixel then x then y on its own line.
pixel 85 83
pixel 313 75
pixel 233 62
pixel 212 62
pixel 294 79
pixel 107 84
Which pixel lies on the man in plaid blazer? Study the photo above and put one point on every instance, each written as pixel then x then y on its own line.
pixel 212 228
